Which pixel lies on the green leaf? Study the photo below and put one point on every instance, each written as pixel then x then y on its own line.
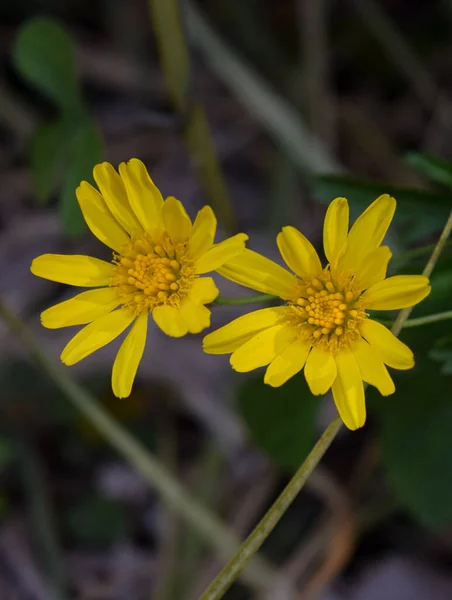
pixel 49 156
pixel 434 168
pixel 44 54
pixel 86 152
pixel 416 434
pixel 280 420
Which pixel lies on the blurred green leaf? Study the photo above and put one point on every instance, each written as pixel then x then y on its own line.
pixel 85 152
pixel 44 53
pixel 49 151
pixel 96 522
pixel 416 433
pixel 281 420
pixel 434 168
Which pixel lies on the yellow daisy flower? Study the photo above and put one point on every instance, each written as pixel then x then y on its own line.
pixel 158 257
pixel 324 325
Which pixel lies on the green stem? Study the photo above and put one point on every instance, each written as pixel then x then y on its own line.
pixel 442 316
pixel 224 580
pixel 172 46
pixel 229 574
pixel 260 575
pixel 247 300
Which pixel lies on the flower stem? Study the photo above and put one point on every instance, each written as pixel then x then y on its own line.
pixel 221 584
pixel 247 300
pixel 442 316
pixel 229 574
pixel 175 59
pixel 260 575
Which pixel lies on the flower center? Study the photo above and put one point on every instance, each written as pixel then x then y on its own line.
pixel 151 273
pixel 328 313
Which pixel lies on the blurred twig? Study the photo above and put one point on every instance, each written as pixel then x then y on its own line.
pixel 276 115
pixel 260 574
pixel 175 59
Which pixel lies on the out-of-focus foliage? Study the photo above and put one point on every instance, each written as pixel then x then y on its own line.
pixel 64 150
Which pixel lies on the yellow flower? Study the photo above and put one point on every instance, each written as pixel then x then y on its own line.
pixel 158 257
pixel 324 325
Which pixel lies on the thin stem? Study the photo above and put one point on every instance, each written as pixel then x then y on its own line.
pixel 172 47
pixel 260 575
pixel 417 252
pixel 442 316
pixel 405 313
pixel 247 300
pixel 224 580
pixel 229 574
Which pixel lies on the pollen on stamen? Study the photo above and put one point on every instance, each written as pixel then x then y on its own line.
pixel 163 275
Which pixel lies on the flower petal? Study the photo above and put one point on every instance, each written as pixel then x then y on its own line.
pixel 335 230
pixel 261 349
pixel 144 197
pixel 170 320
pixel 259 273
pixel 128 358
pixel 228 338
pixel 368 231
pixel 203 232
pixel 221 253
pixel 99 218
pixel 320 371
pixel 372 368
pixel 373 267
pixel 96 335
pixel 195 315
pixel 114 194
pixel 203 290
pixel 348 391
pixel 83 271
pixel 392 351
pixel 176 221
pixel 397 292
pixel 298 253
pixel 287 364
pixel 82 309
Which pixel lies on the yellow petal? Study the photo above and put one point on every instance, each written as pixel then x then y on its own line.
pixel 203 290
pixel 233 335
pixel 195 315
pixel 287 364
pixel 373 268
pixel 170 320
pixel 368 231
pixel 128 358
pixel 203 232
pixel 348 391
pixel 144 197
pixel 259 273
pixel 372 368
pixel 99 218
pixel 83 271
pixel 176 221
pixel 397 292
pixel 96 335
pixel 320 371
pixel 298 253
pixel 221 253
pixel 392 351
pixel 261 349
pixel 114 193
pixel 82 309
pixel 335 230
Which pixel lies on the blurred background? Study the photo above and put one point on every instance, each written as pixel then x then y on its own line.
pixel 302 101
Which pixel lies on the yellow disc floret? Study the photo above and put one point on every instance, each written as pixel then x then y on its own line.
pixel 327 312
pixel 151 272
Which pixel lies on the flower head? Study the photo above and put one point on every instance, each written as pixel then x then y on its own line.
pixel 324 325
pixel 156 267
